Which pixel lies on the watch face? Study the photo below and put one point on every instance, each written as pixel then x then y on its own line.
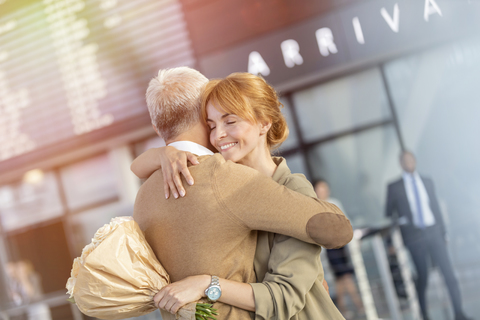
pixel 214 293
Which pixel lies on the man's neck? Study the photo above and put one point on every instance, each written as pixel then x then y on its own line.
pixel 197 134
pixel 189 135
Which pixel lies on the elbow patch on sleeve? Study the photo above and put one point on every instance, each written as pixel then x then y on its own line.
pixel 330 230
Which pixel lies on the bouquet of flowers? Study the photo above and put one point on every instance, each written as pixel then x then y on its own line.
pixel 118 275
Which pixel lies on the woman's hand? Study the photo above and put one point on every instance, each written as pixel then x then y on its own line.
pixel 177 294
pixel 173 162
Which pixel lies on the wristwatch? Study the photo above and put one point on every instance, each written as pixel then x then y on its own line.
pixel 214 292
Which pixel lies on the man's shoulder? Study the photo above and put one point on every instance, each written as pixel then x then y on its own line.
pixel 395 183
pixel 209 165
pixel 219 164
pixel 428 183
pixel 426 179
pixel 211 160
pixel 229 176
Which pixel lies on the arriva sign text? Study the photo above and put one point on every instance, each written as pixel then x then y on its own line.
pixel 326 42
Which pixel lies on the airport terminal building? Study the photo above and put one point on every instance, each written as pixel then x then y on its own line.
pixel 359 81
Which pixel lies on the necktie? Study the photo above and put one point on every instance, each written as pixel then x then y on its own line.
pixel 418 204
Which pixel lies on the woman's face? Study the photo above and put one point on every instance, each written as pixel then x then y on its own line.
pixel 236 139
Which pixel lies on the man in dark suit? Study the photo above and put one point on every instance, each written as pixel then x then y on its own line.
pixel 412 201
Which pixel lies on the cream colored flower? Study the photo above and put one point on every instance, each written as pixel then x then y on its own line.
pixel 102 233
pixel 75 267
pixel 99 236
pixel 71 285
pixel 87 250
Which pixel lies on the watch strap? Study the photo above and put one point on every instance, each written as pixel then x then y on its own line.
pixel 215 281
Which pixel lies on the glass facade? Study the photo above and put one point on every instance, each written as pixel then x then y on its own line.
pixel 358 167
pixel 349 138
pixel 341 105
pixel 436 97
pixel 292 140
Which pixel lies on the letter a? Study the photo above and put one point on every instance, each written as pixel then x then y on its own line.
pixel 431 7
pixel 325 41
pixel 291 53
pixel 256 64
pixel 393 23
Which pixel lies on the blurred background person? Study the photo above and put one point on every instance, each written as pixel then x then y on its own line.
pixel 339 263
pixel 412 201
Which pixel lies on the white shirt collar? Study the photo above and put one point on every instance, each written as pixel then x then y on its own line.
pixel 192 147
pixel 408 175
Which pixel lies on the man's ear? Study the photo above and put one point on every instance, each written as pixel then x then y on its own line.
pixel 156 131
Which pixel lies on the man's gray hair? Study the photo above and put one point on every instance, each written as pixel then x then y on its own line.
pixel 174 100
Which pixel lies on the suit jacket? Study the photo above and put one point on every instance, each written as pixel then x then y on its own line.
pixel 397 202
pixel 211 230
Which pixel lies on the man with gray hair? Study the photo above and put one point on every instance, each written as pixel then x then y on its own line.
pixel 211 231
pixel 173 100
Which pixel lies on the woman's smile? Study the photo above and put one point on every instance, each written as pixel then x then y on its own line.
pixel 227 146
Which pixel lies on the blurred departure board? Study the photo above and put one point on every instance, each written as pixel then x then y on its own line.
pixel 71 68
